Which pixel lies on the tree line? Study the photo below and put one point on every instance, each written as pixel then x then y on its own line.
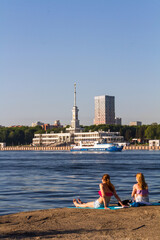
pixel 14 136
pixel 144 132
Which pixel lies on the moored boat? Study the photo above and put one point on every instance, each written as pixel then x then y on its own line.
pixel 98 147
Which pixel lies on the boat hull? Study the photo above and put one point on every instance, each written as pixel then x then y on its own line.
pixel 92 149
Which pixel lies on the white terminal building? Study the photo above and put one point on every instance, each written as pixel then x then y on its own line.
pixel 75 133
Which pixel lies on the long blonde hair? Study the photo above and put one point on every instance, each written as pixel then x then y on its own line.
pixel 106 179
pixel 141 181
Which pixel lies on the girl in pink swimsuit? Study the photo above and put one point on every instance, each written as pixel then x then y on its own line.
pixel 107 190
pixel 140 190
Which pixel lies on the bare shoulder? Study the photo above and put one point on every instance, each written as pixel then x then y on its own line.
pixel 135 185
pixel 101 186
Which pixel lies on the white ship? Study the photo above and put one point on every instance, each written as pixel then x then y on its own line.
pixel 98 147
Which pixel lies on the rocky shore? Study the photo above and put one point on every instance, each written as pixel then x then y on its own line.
pixel 74 223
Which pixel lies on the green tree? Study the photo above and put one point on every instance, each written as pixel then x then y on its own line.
pixel 151 132
pixel 158 132
pixel 28 136
pixel 128 135
pixel 11 137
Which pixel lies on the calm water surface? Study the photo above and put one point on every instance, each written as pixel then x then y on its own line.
pixel 42 180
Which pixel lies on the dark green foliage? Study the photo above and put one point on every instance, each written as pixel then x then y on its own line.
pixel 153 132
pixel 18 135
pixel 57 130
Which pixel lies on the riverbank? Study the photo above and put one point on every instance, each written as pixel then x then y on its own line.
pixel 72 223
pixel 68 148
pixel 29 148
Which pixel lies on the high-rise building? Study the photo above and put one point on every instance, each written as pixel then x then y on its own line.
pixel 104 110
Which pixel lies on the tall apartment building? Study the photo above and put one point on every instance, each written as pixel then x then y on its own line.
pixel 104 110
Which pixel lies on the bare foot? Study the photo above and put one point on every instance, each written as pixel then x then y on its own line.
pixel 79 200
pixel 75 202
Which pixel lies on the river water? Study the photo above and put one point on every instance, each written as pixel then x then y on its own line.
pixel 31 180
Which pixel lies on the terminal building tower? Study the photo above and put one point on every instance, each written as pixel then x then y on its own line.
pixel 75 126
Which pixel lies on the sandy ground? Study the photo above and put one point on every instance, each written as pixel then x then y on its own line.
pixel 71 223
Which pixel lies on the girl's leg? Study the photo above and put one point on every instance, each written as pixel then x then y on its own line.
pixel 83 205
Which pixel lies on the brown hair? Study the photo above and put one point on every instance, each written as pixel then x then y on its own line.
pixel 106 179
pixel 141 181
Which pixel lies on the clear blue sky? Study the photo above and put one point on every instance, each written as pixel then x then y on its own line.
pixel 108 47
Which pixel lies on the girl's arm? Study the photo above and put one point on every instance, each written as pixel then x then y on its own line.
pixel 118 198
pixel 134 191
pixel 103 195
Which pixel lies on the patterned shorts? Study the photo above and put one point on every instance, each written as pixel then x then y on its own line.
pixel 97 204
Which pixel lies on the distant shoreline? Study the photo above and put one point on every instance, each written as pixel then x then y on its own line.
pixel 29 148
pixel 68 148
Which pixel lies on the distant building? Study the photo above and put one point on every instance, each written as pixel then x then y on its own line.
pixel 154 143
pixel 57 123
pixel 46 126
pixel 75 126
pixel 104 112
pixel 2 144
pixel 37 124
pixel 51 139
pixel 136 123
pixel 118 121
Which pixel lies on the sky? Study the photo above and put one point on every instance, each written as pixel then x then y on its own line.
pixel 106 47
